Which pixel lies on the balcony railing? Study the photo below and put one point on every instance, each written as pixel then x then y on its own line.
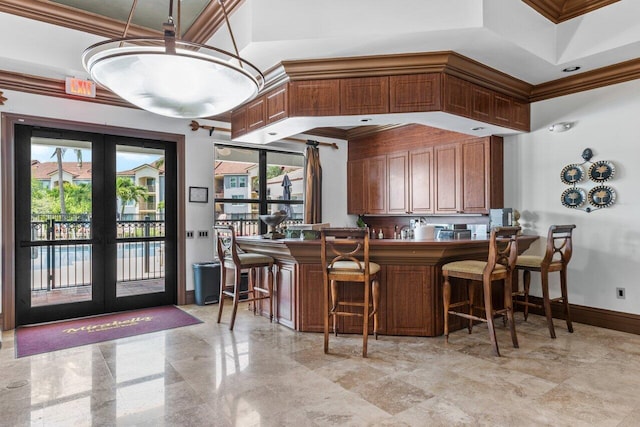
pixel 59 260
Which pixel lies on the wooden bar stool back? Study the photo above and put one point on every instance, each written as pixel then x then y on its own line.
pixel 235 259
pixel 556 258
pixel 345 258
pixel 500 264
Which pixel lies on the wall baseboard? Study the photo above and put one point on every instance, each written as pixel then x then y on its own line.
pixel 609 319
pixel 191 297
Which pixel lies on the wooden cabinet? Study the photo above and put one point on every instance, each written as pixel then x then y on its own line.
pixel 450 178
pixel 356 187
pixel 414 92
pixel 397 187
pixel 410 182
pixel 421 181
pixel 367 186
pixel 314 98
pixel 446 164
pixel 409 300
pixel 475 179
pixel 366 95
pixel 285 294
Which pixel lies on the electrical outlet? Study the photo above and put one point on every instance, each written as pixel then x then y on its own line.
pixel 620 293
pixel 189 234
pixel 203 233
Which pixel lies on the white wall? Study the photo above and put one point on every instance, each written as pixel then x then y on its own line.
pixel 607 241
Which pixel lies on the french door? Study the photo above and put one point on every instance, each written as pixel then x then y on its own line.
pixel 95 223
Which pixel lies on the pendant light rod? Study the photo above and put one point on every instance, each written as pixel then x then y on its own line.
pixel 233 39
pixel 126 27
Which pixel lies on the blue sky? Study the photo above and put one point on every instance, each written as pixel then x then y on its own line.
pixel 124 160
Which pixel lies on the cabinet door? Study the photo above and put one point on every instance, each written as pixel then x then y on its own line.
pixel 447 178
pixel 475 176
pixel 356 187
pixel 376 185
pixel 421 181
pixel 285 296
pixel 410 298
pixel 397 188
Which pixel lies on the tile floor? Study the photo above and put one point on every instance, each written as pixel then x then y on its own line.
pixel 264 374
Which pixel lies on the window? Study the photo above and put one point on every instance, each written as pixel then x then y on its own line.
pixel 252 182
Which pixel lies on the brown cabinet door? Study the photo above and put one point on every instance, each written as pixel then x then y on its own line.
pixel 365 95
pixel 397 189
pixel 447 178
pixel 409 297
pixel 475 176
pixel 414 92
pixel 285 296
pixel 421 181
pixel 377 185
pixel 356 187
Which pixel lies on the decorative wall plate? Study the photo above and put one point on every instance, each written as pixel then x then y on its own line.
pixel 571 174
pixel 601 171
pixel 573 197
pixel 602 196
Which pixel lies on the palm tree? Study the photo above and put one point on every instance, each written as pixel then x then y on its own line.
pixel 59 153
pixel 127 191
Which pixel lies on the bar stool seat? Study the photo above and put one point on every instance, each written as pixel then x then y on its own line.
pixel 235 259
pixel 345 258
pixel 556 258
pixel 503 251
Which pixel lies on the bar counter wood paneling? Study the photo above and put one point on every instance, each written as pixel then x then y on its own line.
pixel 410 281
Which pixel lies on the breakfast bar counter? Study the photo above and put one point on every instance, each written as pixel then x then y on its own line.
pixel 410 281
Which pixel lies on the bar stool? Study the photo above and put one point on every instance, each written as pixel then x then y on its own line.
pixel 233 258
pixel 556 258
pixel 345 258
pixel 503 251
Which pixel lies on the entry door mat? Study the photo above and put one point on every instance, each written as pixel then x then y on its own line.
pixel 48 337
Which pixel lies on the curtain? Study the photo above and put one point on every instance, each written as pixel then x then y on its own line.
pixel 313 179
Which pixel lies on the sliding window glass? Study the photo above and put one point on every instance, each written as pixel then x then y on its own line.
pixel 253 182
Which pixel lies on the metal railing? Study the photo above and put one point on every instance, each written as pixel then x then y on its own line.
pixel 251 226
pixel 59 258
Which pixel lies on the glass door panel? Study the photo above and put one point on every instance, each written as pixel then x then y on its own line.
pixel 61 221
pixel 140 221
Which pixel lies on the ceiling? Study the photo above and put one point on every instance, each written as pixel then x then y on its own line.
pixel 530 40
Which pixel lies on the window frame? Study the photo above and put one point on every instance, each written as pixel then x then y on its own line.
pixel 262 201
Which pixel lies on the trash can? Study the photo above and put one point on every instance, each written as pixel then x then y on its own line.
pixel 206 281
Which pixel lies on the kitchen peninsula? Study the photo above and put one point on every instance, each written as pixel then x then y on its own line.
pixel 410 281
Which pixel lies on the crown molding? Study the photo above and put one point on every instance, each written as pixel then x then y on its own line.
pixel 617 73
pixel 75 19
pixel 55 87
pixel 411 63
pixel 209 21
pixel 558 11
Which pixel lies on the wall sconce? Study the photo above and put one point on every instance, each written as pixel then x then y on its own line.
pixel 560 127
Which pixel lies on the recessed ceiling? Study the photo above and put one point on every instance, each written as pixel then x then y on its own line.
pixel 148 13
pixel 558 11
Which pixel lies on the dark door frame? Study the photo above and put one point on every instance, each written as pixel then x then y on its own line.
pixel 7 196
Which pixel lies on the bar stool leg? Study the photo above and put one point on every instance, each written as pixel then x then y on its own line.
pixel 236 297
pixel 446 298
pixel 471 297
pixel 526 279
pixel 271 292
pixel 488 307
pixel 223 281
pixel 375 292
pixel 334 304
pixel 544 279
pixel 365 323
pixel 326 296
pixel 565 299
pixel 508 305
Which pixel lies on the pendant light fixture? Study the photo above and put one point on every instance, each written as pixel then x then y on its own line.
pixel 172 77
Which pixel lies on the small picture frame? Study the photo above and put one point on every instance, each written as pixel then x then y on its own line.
pixel 199 194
